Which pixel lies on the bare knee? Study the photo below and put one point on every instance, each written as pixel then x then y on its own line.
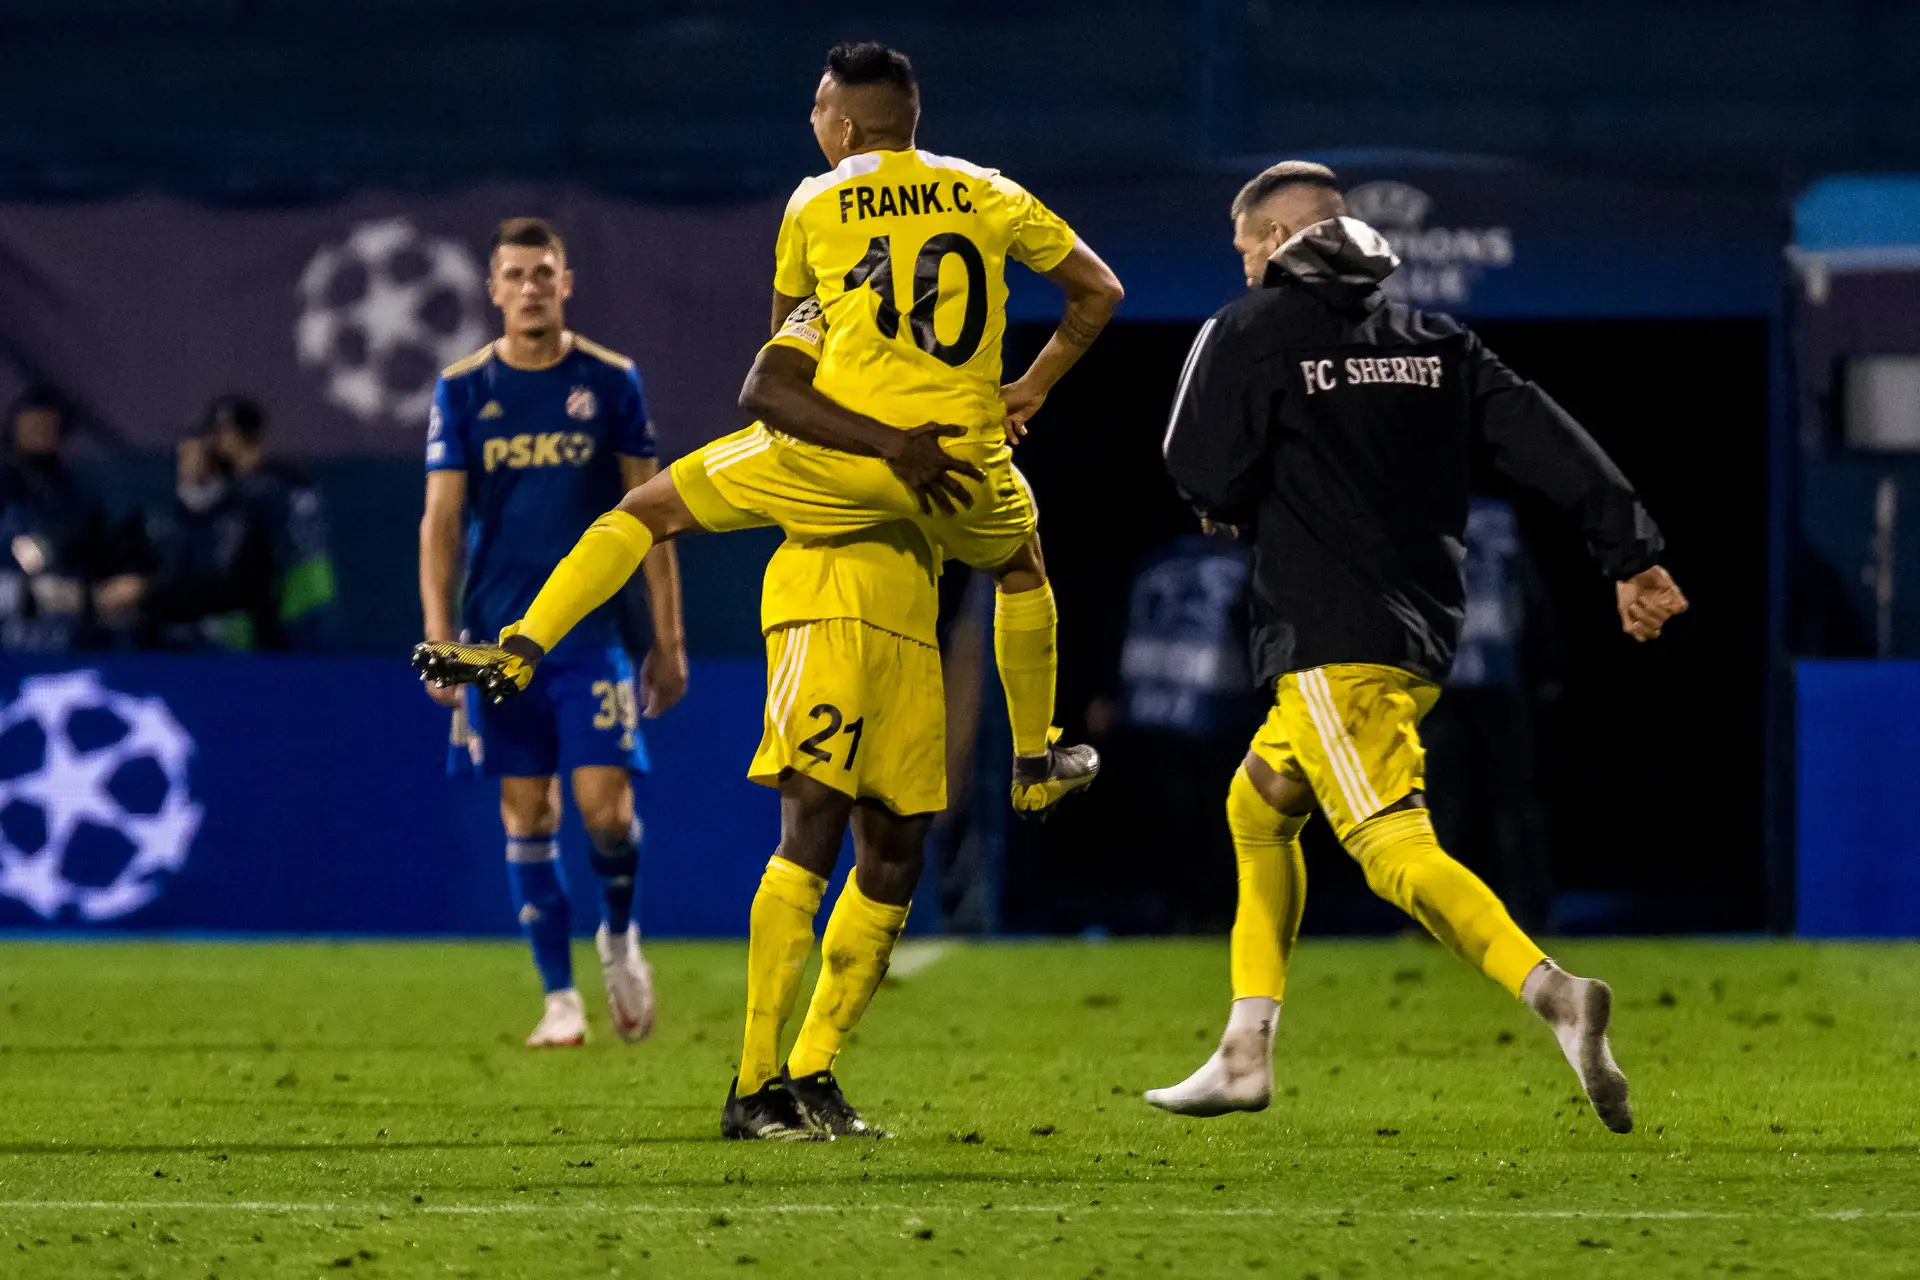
pixel 604 796
pixel 889 852
pixel 1282 791
pixel 658 505
pixel 813 819
pixel 530 806
pixel 1025 571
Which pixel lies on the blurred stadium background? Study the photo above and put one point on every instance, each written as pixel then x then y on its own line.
pixel 1697 223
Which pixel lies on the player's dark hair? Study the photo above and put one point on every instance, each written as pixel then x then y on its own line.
pixel 242 415
pixel 870 62
pixel 895 113
pixel 527 233
pixel 1290 174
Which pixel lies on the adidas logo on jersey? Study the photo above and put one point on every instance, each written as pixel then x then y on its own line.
pixel 493 410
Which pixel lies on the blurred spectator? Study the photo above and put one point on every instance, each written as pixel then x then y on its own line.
pixel 1481 780
pixel 281 498
pixel 53 532
pixel 1177 730
pixel 206 578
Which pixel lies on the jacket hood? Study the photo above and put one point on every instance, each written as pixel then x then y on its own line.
pixel 1341 261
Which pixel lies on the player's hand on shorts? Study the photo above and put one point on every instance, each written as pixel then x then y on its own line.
pixel 923 465
pixel 1647 601
pixel 1023 400
pixel 447 695
pixel 663 680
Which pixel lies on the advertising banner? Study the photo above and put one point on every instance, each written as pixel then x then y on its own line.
pixel 338 317
pixel 268 795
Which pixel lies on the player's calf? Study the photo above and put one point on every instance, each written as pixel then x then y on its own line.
pixel 1580 1010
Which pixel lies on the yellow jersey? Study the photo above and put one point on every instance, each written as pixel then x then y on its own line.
pixel 885 577
pixel 907 252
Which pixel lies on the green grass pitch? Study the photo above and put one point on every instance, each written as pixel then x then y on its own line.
pixel 251 1110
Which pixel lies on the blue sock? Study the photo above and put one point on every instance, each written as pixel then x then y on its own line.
pixel 616 860
pixel 533 869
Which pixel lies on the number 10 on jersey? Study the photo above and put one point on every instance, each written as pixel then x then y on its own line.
pixel 876 270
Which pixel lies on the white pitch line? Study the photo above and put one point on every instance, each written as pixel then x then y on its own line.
pixel 278 1206
pixel 910 958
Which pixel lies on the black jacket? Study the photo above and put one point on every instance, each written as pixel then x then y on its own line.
pixel 1338 429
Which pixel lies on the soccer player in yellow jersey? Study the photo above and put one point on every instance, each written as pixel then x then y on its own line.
pixel 906 251
pixel 855 733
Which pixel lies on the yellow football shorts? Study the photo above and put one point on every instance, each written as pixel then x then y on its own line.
pixel 1352 731
pixel 758 477
pixel 859 709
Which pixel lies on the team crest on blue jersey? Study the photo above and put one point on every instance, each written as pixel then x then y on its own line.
pixel 582 404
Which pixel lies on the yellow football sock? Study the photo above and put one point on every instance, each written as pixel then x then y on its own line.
pixel 1273 890
pixel 1406 865
pixel 854 954
pixel 599 565
pixel 779 938
pixel 1023 625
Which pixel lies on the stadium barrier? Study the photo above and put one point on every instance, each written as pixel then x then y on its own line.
pixel 1857 758
pixel 310 796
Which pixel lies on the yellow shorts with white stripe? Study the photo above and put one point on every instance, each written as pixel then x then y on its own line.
pixel 1352 731
pixel 859 709
pixel 759 477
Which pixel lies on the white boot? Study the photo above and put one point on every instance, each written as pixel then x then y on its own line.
pixel 629 980
pixel 1239 1075
pixel 1579 1010
pixel 563 1025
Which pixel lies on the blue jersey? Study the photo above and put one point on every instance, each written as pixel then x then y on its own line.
pixel 541 449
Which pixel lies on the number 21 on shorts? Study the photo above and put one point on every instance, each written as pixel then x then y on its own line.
pixel 819 744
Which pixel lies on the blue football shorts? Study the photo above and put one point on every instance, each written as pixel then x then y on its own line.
pixel 582 709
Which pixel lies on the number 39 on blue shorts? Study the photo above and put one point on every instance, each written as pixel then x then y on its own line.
pixel 580 710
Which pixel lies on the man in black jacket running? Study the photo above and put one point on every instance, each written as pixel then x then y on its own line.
pixel 1336 430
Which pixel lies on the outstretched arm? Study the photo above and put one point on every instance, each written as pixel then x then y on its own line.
pixel 779 391
pixel 1536 443
pixel 1093 292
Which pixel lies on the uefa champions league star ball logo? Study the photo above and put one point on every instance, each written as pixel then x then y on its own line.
pixel 94 806
pixel 382 312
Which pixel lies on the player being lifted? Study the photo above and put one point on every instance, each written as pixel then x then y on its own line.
pixel 1337 430
pixel 531 437
pixel 906 251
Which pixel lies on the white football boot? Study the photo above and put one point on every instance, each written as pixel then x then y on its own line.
pixel 629 980
pixel 1239 1075
pixel 1580 1010
pixel 563 1025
